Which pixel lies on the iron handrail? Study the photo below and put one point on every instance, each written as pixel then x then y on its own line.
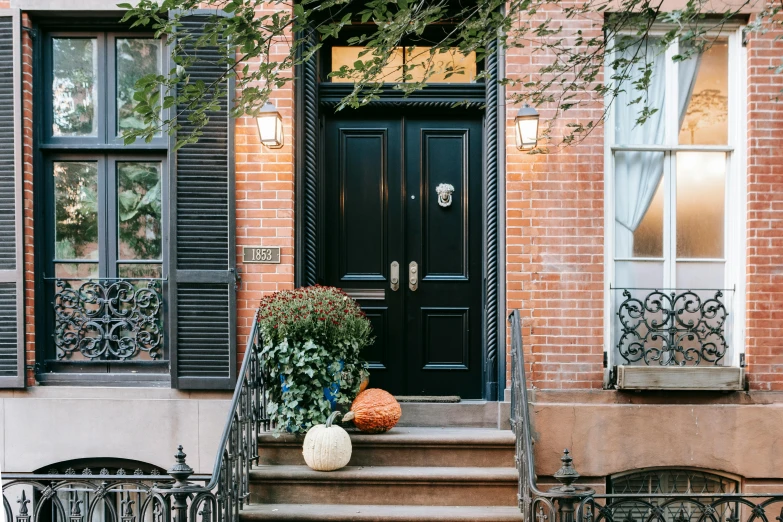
pixel 250 354
pixel 171 497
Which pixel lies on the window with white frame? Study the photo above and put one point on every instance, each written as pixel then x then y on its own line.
pixel 674 198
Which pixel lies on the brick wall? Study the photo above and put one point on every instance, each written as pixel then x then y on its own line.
pixel 764 347
pixel 265 204
pixel 554 238
pixel 554 228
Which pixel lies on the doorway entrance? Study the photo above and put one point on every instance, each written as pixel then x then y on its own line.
pixel 402 233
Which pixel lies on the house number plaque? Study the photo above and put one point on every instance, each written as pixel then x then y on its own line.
pixel 261 255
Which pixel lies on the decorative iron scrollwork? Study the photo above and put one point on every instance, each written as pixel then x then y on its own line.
pixel 108 319
pixel 672 329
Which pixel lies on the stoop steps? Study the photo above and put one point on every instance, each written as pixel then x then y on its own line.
pixel 444 462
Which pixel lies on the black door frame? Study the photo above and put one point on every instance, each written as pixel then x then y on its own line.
pixel 313 99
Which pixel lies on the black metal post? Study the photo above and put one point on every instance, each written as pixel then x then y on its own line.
pixel 567 494
pixel 180 471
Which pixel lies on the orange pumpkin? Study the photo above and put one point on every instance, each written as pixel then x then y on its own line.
pixel 374 411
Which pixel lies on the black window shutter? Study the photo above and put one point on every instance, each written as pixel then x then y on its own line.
pixel 202 278
pixel 12 360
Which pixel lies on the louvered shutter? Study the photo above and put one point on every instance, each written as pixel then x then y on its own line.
pixel 202 305
pixel 11 273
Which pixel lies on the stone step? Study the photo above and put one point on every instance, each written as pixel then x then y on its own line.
pixel 408 485
pixel 378 513
pixel 403 446
pixel 464 414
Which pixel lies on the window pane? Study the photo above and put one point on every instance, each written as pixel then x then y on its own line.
pixel 633 65
pixel 692 275
pixel 638 204
pixel 139 270
pixel 704 90
pixel 446 66
pixel 76 210
pixel 139 210
pixel 701 181
pixel 74 88
pixel 136 57
pixel 75 270
pixel 638 274
pixel 347 56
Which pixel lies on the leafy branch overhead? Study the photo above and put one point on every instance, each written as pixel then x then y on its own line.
pixel 571 42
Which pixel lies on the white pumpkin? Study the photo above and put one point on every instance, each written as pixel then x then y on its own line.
pixel 327 447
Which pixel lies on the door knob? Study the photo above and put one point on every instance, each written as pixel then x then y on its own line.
pixel 413 276
pixel 395 276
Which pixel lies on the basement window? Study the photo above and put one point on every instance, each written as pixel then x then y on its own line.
pixel 672 481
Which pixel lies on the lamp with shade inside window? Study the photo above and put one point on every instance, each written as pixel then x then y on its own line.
pixel 270 126
pixel 526 128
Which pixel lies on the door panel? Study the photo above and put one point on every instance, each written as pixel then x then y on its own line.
pixel 363 212
pixel 363 232
pixel 381 206
pixel 445 237
pixel 444 314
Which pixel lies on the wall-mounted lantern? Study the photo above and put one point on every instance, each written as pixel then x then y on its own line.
pixel 526 126
pixel 270 126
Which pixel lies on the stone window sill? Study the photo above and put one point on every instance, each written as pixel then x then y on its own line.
pixel 695 378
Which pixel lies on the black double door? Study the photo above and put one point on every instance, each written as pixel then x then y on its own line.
pixel 410 254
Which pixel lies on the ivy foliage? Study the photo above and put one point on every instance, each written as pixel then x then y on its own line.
pixel 571 42
pixel 312 340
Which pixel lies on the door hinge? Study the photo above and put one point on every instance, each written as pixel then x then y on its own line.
pixel 237 278
pixel 606 360
pixel 742 360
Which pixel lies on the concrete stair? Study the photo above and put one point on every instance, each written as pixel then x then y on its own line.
pixel 463 470
pixel 406 446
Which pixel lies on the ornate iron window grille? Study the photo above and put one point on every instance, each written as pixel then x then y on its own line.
pixel 674 328
pixel 108 319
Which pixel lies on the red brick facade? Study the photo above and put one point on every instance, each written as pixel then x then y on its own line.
pixel 764 337
pixel 554 229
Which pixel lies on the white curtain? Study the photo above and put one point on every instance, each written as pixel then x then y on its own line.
pixel 638 173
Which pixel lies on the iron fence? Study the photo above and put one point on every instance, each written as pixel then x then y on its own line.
pixel 180 496
pixel 571 502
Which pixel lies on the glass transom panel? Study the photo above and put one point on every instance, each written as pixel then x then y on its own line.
pixel 420 63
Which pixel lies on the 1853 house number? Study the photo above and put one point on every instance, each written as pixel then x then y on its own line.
pixel 261 254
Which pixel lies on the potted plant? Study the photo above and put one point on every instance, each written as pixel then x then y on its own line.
pixel 311 342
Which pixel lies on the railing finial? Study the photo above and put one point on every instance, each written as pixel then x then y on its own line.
pixel 567 474
pixel 180 471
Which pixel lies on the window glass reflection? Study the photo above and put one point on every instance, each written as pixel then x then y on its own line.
pixel 139 210
pixel 705 121
pixel 74 87
pixel 76 210
pixel 136 57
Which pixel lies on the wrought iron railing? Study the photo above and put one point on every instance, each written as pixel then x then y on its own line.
pixel 671 328
pixel 108 319
pixel 571 502
pixel 180 495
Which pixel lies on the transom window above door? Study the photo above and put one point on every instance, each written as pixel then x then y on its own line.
pixel 675 185
pixel 407 64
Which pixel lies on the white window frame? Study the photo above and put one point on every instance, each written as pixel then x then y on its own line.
pixel 735 195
